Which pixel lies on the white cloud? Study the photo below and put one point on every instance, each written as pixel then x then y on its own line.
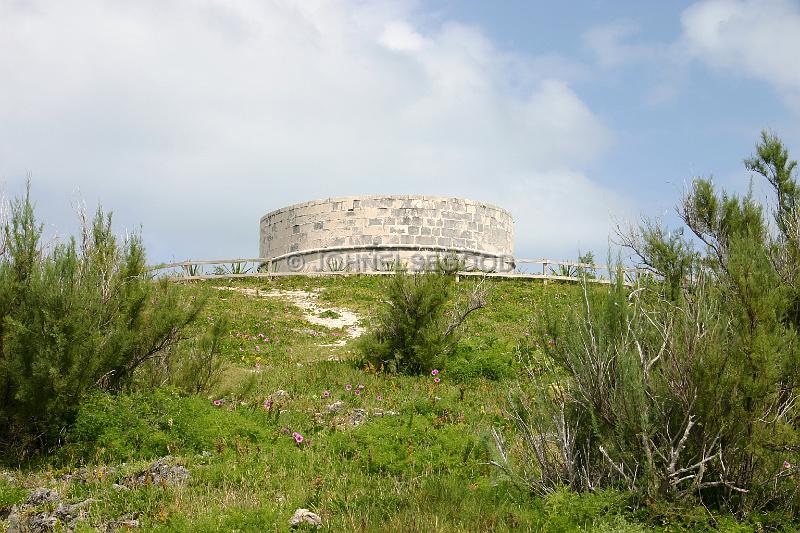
pixel 756 38
pixel 196 118
pixel 400 36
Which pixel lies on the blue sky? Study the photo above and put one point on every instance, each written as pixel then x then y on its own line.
pixel 191 119
pixel 706 121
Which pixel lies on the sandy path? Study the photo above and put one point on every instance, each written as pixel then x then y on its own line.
pixel 308 302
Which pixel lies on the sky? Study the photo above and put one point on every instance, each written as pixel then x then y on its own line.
pixel 192 119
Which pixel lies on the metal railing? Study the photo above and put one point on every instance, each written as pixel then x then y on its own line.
pixel 259 267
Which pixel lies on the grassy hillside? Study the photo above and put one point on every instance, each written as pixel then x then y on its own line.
pixel 378 453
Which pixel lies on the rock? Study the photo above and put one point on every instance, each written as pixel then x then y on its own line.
pixel 20 522
pixel 42 495
pixel 23 519
pixel 279 394
pixel 304 516
pixel 357 416
pixel 122 523
pixel 68 512
pixel 336 406
pixel 162 473
pixel 382 412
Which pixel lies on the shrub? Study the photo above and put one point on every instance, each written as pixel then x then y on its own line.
pixel 74 317
pixel 10 495
pixel 688 385
pixel 575 271
pixel 410 446
pixel 416 327
pixel 145 425
pixel 487 360
pixel 194 365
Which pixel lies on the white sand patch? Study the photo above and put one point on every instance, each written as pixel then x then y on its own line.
pixel 308 302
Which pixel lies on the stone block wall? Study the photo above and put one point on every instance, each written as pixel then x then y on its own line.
pixel 362 233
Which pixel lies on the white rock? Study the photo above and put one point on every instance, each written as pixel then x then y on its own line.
pixel 304 516
pixel 42 495
pixel 336 406
pixel 358 417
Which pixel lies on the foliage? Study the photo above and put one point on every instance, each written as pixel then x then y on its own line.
pixel 488 359
pixel 411 334
pixel 685 386
pixel 416 328
pixel 336 264
pixel 375 476
pixel 410 445
pixel 10 495
pixel 74 317
pixel 193 365
pixel 147 425
pixel 329 313
pixel 236 268
pixel 585 267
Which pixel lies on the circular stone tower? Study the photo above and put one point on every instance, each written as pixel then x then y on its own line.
pixel 378 233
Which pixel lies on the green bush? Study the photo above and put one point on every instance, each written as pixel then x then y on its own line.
pixel 193 365
pixel 412 334
pixel 687 385
pixel 410 446
pixel 74 317
pixel 10 495
pixel 487 359
pixel 145 425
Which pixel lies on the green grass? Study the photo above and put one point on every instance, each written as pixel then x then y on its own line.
pixel 419 462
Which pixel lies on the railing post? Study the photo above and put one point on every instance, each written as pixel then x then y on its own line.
pixel 544 272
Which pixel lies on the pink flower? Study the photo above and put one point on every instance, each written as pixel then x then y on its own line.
pixel 298 438
pixel 258 348
pixel 260 334
pixel 379 397
pixel 217 403
pixel 357 392
pixel 326 394
pixel 360 385
pixel 787 464
pixel 258 367
pixel 268 404
pixel 434 372
pixel 348 387
pixel 436 380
